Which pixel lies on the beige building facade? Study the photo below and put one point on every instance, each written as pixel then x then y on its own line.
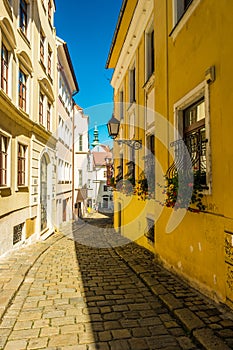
pixel 27 121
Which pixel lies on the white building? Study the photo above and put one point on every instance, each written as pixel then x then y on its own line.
pixel 81 161
pixel 67 87
pixel 99 193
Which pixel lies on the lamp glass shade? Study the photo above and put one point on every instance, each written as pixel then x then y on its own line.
pixel 113 127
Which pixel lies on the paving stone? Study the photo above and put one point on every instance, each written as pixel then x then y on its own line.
pixel 24 334
pixel 72 328
pixel 63 340
pixel 91 299
pixel 185 343
pixel 39 343
pixel 49 331
pixel 171 302
pixel 23 325
pixel 138 344
pixel 16 344
pixel 208 340
pixel 189 319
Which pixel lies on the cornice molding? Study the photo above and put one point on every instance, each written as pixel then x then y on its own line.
pixel 20 117
pixel 138 26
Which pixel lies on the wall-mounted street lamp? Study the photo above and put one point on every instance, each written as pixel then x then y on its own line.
pixel 113 130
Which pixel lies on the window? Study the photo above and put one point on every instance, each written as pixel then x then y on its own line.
pixel 150 163
pixel 41 108
pixel 49 116
pixel 192 120
pixel 49 61
pixel 18 233
pixel 21 164
pixel 105 188
pixel 194 135
pixel 121 99
pixel 80 142
pixel 180 7
pixel 4 68
pixel 80 180
pixel 105 173
pixel 22 90
pixel 50 10
pixel 88 163
pixel 3 160
pixel 23 16
pixel 149 54
pixel 132 86
pixel 42 43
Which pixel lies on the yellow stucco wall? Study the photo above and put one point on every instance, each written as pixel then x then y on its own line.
pixel 200 246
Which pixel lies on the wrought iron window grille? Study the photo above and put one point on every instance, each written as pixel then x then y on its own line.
pixel 190 158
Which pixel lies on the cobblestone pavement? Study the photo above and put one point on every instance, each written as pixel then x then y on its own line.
pixel 65 294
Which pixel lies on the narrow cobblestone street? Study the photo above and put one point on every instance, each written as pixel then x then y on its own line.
pixel 61 294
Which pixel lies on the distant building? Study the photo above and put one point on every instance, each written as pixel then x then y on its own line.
pixel 81 161
pixel 67 86
pixel 99 193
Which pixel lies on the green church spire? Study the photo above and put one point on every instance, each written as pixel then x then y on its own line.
pixel 96 137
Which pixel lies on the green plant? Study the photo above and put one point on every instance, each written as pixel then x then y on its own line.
pixel 141 188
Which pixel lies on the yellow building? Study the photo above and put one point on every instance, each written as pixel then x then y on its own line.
pixel 172 75
pixel 27 121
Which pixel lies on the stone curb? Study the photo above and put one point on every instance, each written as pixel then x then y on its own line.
pixel 199 331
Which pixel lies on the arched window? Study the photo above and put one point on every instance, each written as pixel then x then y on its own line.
pixel 8 45
pixel 24 75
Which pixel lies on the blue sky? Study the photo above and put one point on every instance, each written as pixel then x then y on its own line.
pixel 88 26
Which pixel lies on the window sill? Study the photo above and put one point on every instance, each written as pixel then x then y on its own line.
pixel 22 188
pixel 5 191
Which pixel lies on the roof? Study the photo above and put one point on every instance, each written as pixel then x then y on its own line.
pixel 121 30
pixel 63 49
pixel 99 158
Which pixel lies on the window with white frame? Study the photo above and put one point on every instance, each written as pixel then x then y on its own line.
pixel 132 85
pixel 4 68
pixel 6 64
pixel 22 89
pixel 150 54
pixel 41 108
pixel 42 47
pixel 121 100
pixel 45 110
pixel 49 109
pixel 180 7
pixel 22 151
pixel 50 11
pixel 80 178
pixel 49 63
pixel 23 16
pixel 80 142
pixel 192 120
pixel 4 159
